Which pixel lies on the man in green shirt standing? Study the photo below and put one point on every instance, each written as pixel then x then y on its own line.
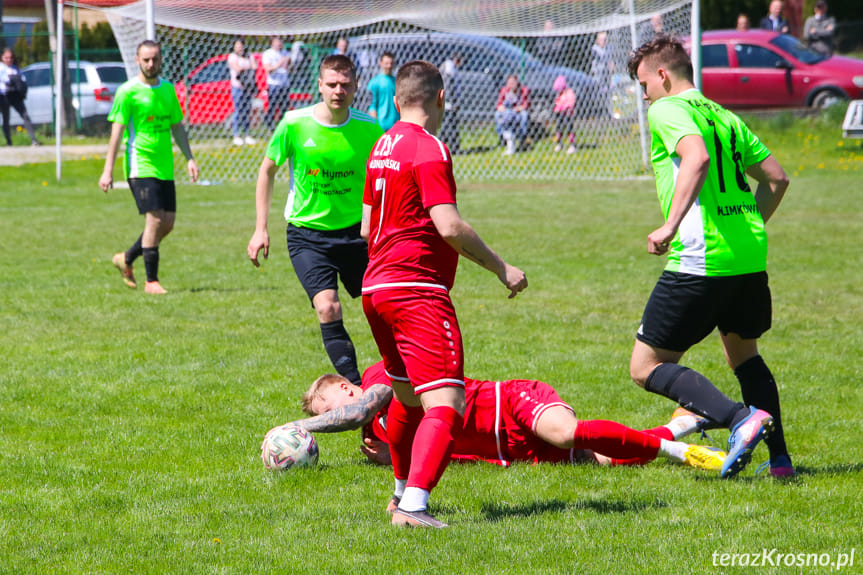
pixel 714 235
pixel 327 145
pixel 145 114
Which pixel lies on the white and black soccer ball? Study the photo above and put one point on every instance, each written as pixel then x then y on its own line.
pixel 287 447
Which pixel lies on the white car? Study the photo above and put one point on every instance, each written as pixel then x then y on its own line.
pixel 93 87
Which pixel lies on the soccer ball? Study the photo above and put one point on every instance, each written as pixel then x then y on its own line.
pixel 289 446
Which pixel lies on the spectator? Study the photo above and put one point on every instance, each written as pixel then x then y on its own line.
pixel 383 91
pixel 818 30
pixel 511 116
pixel 742 23
pixel 601 65
pixel 550 47
pixel 13 91
pixel 277 63
pixel 774 20
pixel 564 111
pixel 243 89
pixel 452 86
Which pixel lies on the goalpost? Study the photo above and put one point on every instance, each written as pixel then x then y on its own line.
pixel 551 46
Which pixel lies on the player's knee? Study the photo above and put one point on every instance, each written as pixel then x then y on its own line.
pixel 557 427
pixel 638 374
pixel 327 310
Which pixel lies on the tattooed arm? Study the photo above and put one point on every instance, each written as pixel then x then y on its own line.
pixel 352 416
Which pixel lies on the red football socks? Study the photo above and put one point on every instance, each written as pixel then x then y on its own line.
pixel 432 446
pixel 615 440
pixel 402 424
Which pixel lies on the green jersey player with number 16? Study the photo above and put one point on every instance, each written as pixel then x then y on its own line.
pixel 714 235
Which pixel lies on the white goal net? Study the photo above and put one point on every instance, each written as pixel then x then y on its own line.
pixel 584 116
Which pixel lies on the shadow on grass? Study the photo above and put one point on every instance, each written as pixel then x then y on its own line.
pixel 499 511
pixel 802 471
pixel 229 289
pixel 833 469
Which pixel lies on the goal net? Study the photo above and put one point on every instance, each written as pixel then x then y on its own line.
pixel 584 117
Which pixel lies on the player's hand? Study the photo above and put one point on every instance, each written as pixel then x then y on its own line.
pixel 259 241
pixel 106 181
pixel 514 279
pixel 192 168
pixel 659 240
pixel 376 451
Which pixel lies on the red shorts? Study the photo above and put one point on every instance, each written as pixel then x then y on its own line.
pixel 524 401
pixel 500 421
pixel 417 335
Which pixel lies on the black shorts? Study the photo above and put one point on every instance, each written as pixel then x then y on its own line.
pixel 683 309
pixel 153 194
pixel 320 257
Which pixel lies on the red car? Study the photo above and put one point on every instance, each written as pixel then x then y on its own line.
pixel 762 69
pixel 205 94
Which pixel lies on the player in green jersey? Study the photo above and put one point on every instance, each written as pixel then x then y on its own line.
pixel 717 254
pixel 328 145
pixel 145 114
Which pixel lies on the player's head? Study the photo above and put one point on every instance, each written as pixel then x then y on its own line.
pixel 149 59
pixel 386 62
pixel 337 81
pixel 329 392
pixel 419 85
pixel 660 66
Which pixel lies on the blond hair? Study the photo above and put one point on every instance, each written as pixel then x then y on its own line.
pixel 315 391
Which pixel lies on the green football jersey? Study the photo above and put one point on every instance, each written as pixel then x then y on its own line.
pixel 328 167
pixel 723 233
pixel 148 112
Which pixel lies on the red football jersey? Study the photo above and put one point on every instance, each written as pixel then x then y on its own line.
pixel 408 172
pixel 498 421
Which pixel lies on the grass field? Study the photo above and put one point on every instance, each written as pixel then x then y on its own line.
pixel 130 424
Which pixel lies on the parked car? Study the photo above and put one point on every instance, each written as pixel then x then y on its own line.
pixel 205 93
pixel 486 62
pixel 93 87
pixel 763 69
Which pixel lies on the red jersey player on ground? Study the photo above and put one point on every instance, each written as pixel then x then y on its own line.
pixel 505 421
pixel 415 236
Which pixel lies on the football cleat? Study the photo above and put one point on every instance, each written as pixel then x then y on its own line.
pixel 393 504
pixel 402 518
pixel 119 261
pixel 154 288
pixel 744 437
pixel 780 466
pixel 703 457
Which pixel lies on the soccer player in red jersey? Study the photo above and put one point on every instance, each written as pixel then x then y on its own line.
pixel 505 421
pixel 415 236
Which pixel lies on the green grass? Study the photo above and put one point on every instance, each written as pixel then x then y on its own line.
pixel 130 425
